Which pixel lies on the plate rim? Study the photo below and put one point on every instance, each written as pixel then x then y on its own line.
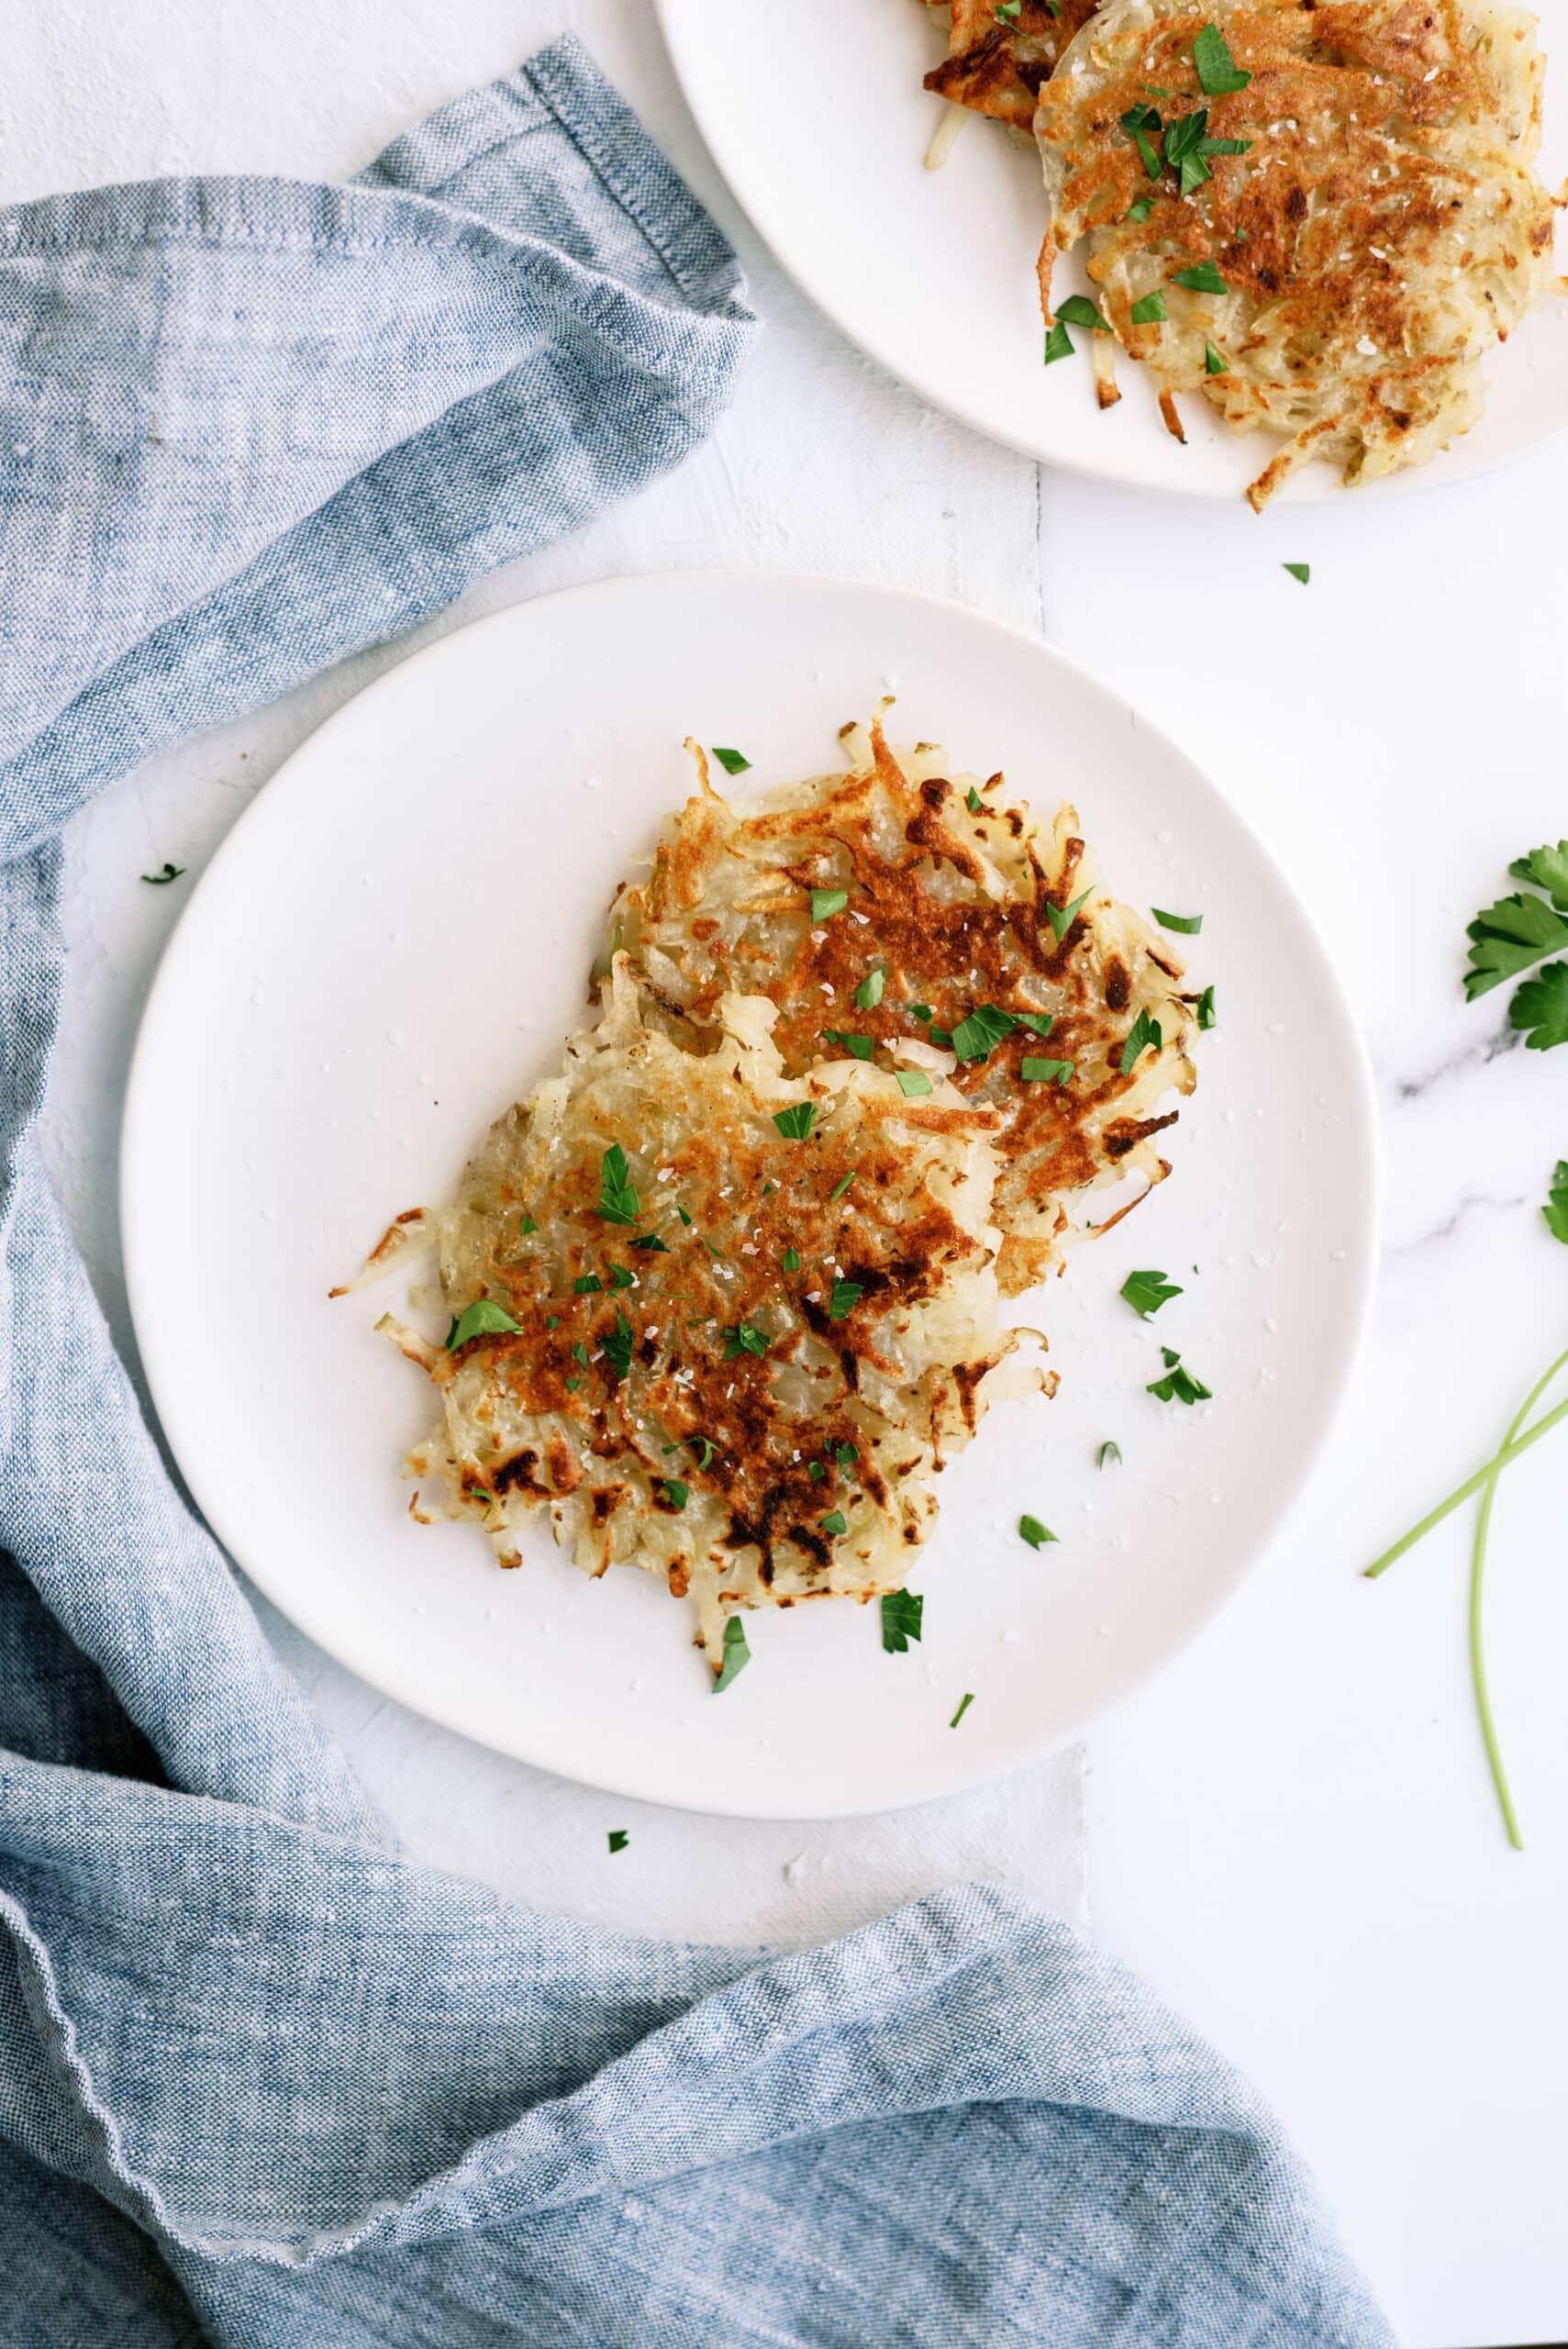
pixel 397 1683
pixel 1413 482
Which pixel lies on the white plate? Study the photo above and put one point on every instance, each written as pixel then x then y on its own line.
pixel 389 949
pixel 816 116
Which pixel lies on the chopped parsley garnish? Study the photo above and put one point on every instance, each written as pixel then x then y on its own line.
pixel 1138 122
pixel 825 903
pixel 1062 917
pixel 713 1249
pixel 912 1081
pixel 622 1277
pixel 1202 278
pixel 480 1492
pixel 1146 1292
pixel 1206 1012
pixel 1036 1535
pixel 1216 68
pixel 1144 1035
pixel 817 1471
pixel 1188 924
pixel 972 799
pixel 1110 1453
pixel 685 1218
pixel 1141 210
pixel 1007 12
pixel 1041 1022
pixel 553 1320
pixel 618 1343
pixel 619 1839
pixel 835 1523
pixel 1151 310
pixel 868 994
pixel 573 1385
pixel 580 1354
pixel 795 1122
pixel 482 1318
pixel 1178 1385
pixel 790 1260
pixel 703 1446
pixel 587 1284
pixel 1077 310
pixel 862 1047
pixel 1042 1072
pixel 162 880
pixel 1302 571
pixel 737 1654
pixel 980 1035
pixel 846 1295
pixel 745 1339
pixel 901 1612
pixel 921 1011
pixel 526 1224
pixel 677 1494
pixel 1058 344
pixel 617 1192
pixel 845 1454
pixel 841 1187
pixel 1507 937
pixel 964 1704
pixel 652 1241
pixel 1556 1207
pixel 940 1036
pixel 732 761
pixel 1214 361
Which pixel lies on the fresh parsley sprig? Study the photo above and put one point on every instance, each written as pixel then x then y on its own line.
pixel 1510 935
pixel 901 1613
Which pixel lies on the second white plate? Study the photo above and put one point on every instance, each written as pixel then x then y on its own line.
pixel 389 949
pixel 816 116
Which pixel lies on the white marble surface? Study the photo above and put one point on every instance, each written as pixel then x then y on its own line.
pixel 1292 1833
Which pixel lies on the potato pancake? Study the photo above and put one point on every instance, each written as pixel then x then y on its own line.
pixel 914 920
pixel 1319 213
pixel 995 63
pixel 716 1320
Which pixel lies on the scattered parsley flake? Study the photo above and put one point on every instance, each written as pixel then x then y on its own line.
pixel 737 1655
pixel 1141 210
pixel 745 1339
pixel 1062 917
pixel 846 1295
pixel 482 1318
pixel 845 1454
pixel 868 994
pixel 795 1122
pixel 1007 12
pixel 1188 924
pixel 1041 1022
pixel 1178 1385
pixel 685 1218
pixel 618 1344
pixel 580 1354
pixel 1216 68
pixel 1214 361
pixel 162 880
pixel 1110 1453
pixel 835 1523
pixel 676 1493
pixel 526 1224
pixel 553 1320
pixel 901 1612
pixel 573 1385
pixel 790 1260
pixel 586 1285
pixel 1077 310
pixel 1058 344
pixel 1144 1034
pixel 1036 1535
pixel 972 799
pixel 841 1187
pixel 1202 278
pixel 980 1035
pixel 713 1249
pixel 652 1241
pixel 703 1446
pixel 862 1047
pixel 825 903
pixel 1302 571
pixel 921 1011
pixel 964 1704
pixel 912 1081
pixel 1151 310
pixel 732 761
pixel 617 1192
pixel 622 1277
pixel 1146 1292
pixel 1206 1012
pixel 817 1471
pixel 1042 1072
pixel 619 1839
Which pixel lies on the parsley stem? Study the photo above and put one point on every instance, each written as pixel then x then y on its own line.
pixel 1500 1460
pixel 1477 1581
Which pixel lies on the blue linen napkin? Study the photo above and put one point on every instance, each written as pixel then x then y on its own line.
pixel 261 2083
